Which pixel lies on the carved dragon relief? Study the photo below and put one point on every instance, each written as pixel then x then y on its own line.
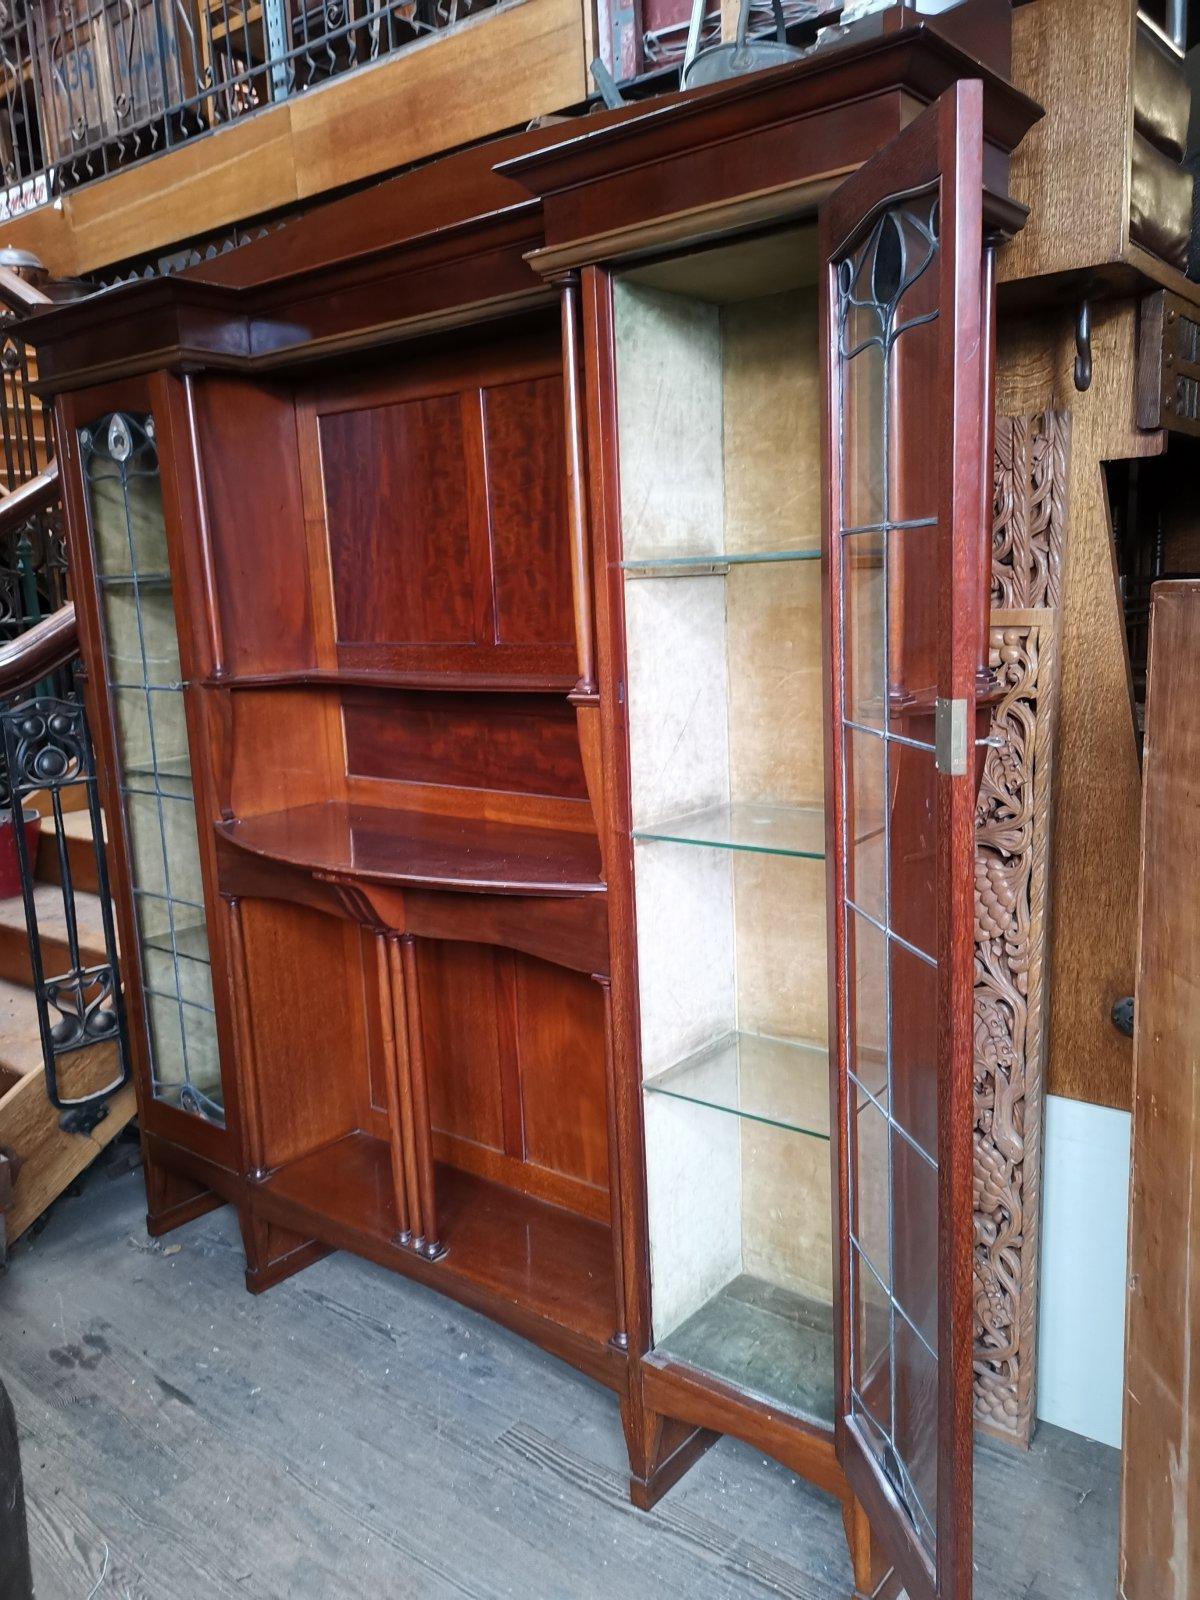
pixel 1011 923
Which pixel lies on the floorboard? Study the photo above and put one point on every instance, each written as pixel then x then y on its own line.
pixel 351 1434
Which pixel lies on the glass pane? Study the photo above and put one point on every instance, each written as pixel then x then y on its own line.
pixel 912 466
pixel 871 1215
pixel 864 628
pixel 868 1032
pixel 914 1084
pixel 147 864
pixel 872 1335
pixel 133 729
pixel 862 419
pixel 125 500
pixel 912 821
pixel 865 822
pixel 915 1435
pixel 890 643
pixel 914 1242
pixel 913 630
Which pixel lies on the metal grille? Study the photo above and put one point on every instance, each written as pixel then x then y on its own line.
pixel 90 86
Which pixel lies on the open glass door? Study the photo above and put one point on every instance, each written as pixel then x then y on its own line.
pixel 907 320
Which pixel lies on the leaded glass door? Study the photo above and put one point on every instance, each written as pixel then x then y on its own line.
pixel 907 323
pixel 119 455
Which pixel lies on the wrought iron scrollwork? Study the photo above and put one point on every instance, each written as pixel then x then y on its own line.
pixel 47 750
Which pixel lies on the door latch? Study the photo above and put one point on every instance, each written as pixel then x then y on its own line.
pixel 950 736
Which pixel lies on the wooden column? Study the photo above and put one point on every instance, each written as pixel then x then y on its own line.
pixel 620 1336
pixel 1160 1461
pixel 585 696
pixel 425 1228
pixel 393 1067
pixel 255 1145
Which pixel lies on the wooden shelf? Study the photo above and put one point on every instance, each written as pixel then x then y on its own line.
pixel 366 678
pixel 548 1262
pixel 422 850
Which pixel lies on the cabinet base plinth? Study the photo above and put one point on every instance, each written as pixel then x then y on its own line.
pixel 274 1253
pixel 173 1199
pixel 661 1450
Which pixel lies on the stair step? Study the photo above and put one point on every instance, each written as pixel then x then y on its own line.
pixel 81 856
pixel 14 944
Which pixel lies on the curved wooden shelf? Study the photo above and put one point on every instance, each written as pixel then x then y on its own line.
pixel 379 678
pixel 422 851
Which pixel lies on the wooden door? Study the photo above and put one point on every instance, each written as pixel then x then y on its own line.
pixel 907 329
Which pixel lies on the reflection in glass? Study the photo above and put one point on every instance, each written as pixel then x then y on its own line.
pixel 888 348
pixel 120 463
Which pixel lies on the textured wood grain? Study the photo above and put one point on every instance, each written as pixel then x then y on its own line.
pixel 1072 168
pixel 50 1158
pixel 1094 871
pixel 1012 850
pixel 1160 1489
pixel 238 1478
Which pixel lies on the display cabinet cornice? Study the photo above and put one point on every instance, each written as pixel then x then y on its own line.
pixel 548 629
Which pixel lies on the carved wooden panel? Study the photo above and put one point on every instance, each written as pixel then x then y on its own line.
pixel 1012 925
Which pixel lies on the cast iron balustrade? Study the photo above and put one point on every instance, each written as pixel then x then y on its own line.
pixel 91 86
pixel 45 746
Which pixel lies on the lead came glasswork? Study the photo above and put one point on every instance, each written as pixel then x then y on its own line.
pixel 887 348
pixel 120 465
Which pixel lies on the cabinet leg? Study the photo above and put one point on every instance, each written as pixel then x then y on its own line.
pixel 172 1199
pixel 274 1253
pixel 660 1451
pixel 874 1579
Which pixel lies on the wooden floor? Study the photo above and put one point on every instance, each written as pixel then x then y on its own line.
pixel 349 1434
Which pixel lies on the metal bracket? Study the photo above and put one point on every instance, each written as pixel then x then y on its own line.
pixel 1083 346
pixel 83 1119
pixel 1122 1016
pixel 950 736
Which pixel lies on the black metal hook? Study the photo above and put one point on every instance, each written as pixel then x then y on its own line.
pixel 1083 346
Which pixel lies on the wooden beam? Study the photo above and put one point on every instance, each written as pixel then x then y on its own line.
pixel 498 71
pixel 494 72
pixel 1097 799
pixel 1160 1479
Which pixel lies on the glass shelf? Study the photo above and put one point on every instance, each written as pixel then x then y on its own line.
pixel 718 558
pixel 768 830
pixel 751 1075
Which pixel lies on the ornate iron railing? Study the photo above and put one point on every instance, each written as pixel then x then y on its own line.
pixel 90 86
pixel 46 755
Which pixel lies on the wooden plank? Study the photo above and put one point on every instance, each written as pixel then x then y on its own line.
pixel 242 171
pixel 1072 168
pixel 152 1389
pixel 496 71
pixel 1160 1490
pixel 1097 799
pixel 50 1159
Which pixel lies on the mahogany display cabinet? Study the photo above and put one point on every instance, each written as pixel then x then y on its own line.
pixel 535 611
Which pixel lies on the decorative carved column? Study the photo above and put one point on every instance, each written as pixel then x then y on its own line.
pixel 1011 914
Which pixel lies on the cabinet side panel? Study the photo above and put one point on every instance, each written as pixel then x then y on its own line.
pixel 251 491
pixel 305 999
